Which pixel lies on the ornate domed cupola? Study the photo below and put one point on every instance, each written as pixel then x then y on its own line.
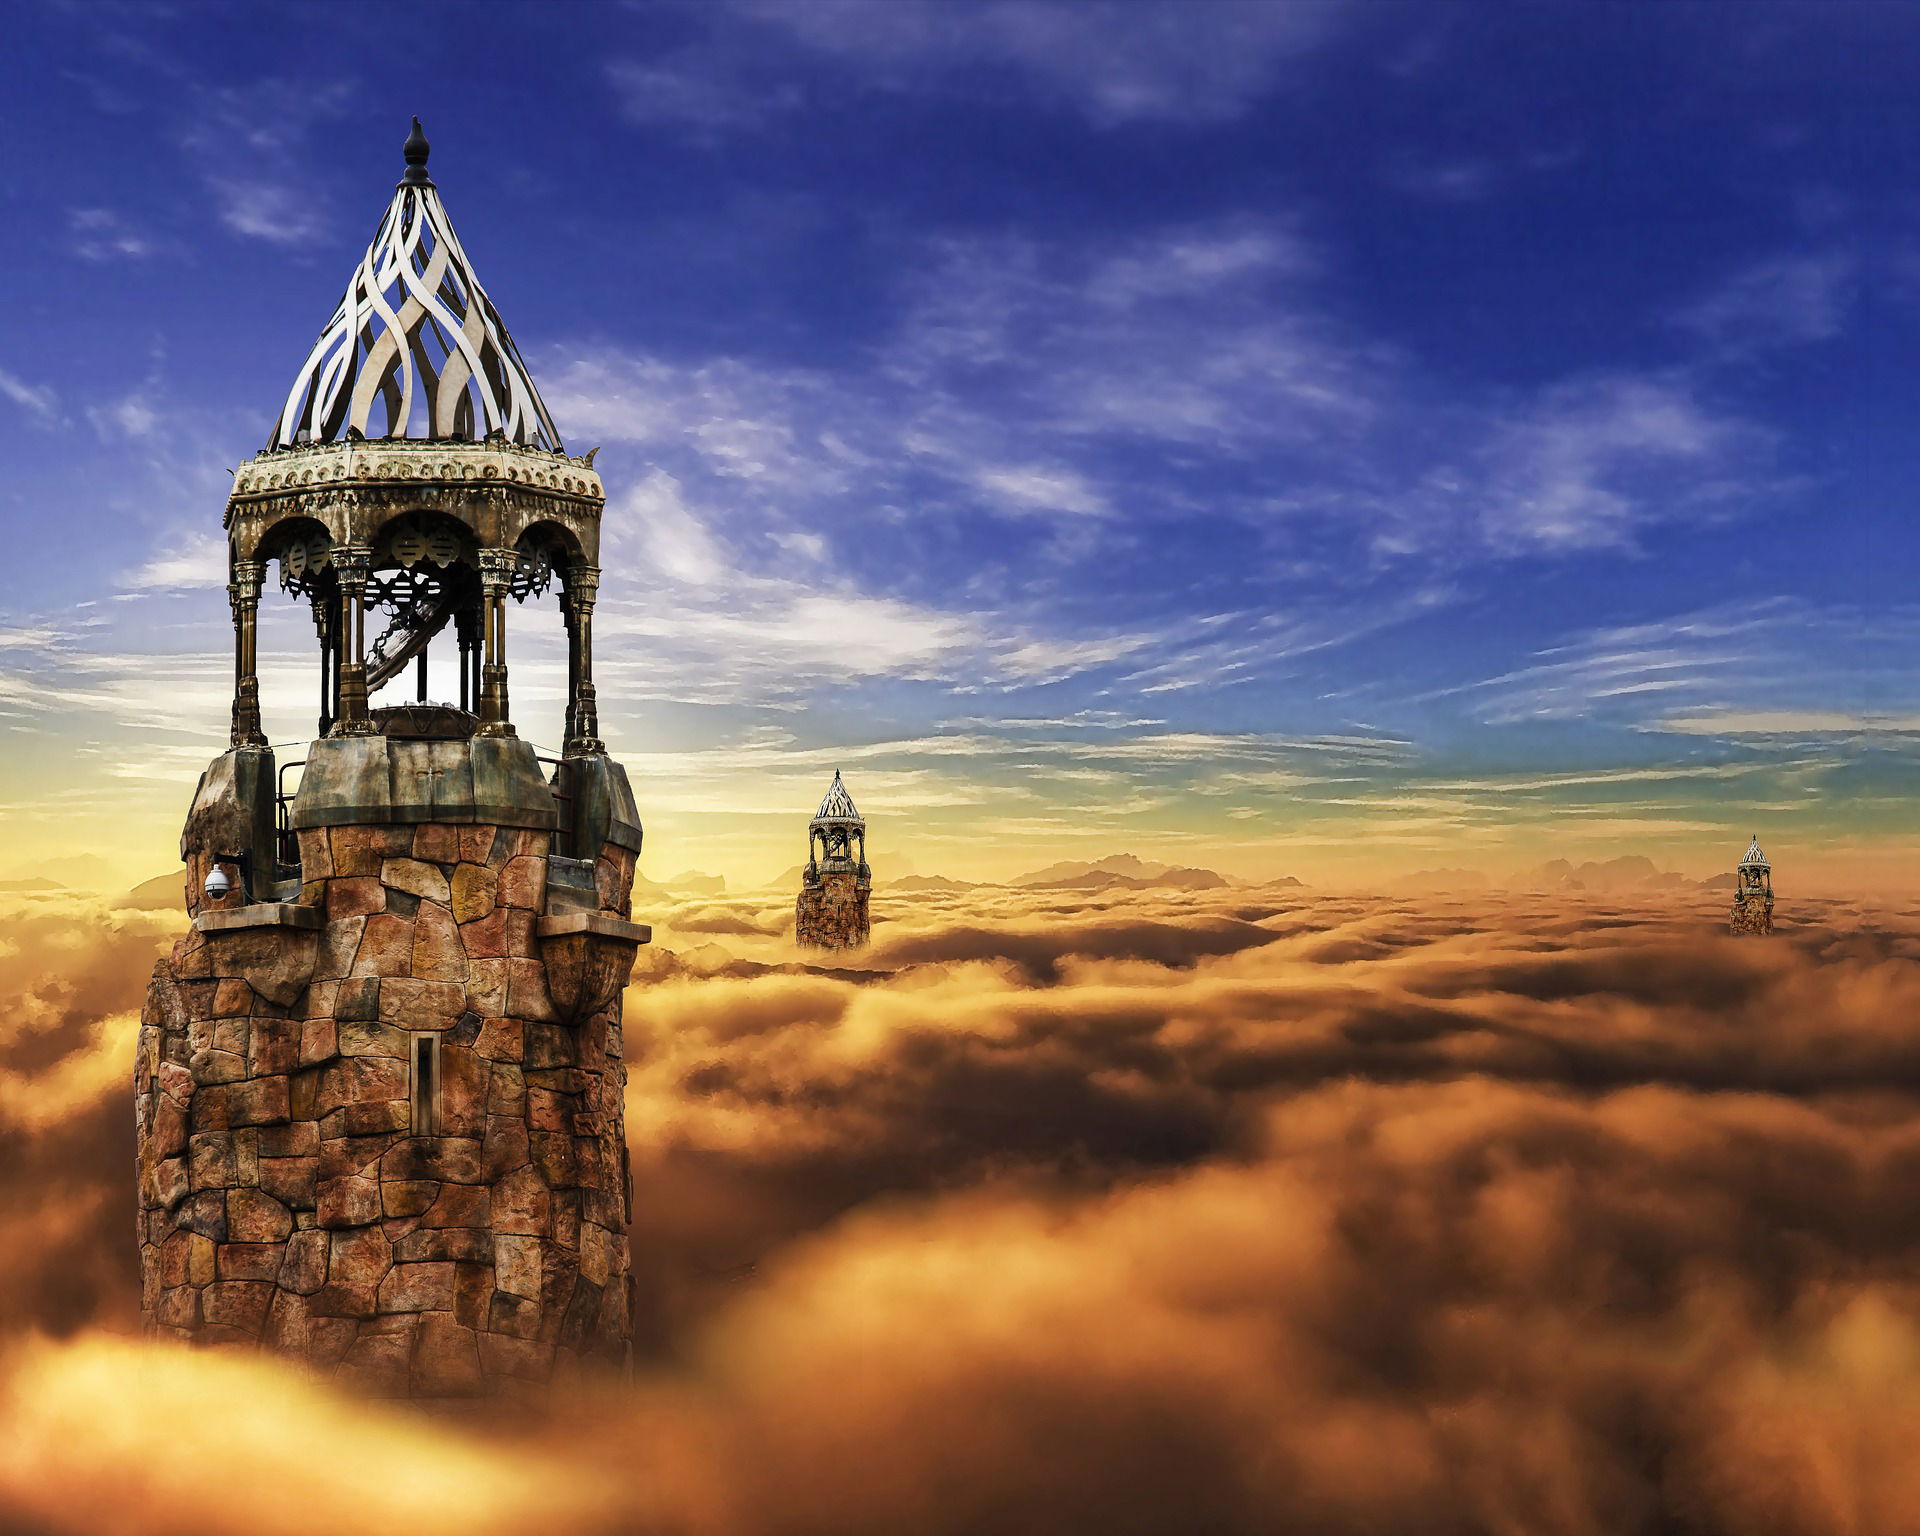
pixel 414 471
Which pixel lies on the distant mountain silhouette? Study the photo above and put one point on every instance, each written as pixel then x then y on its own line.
pixel 1441 880
pixel 1119 872
pixel 688 882
pixel 1127 865
pixel 1629 872
pixel 927 883
pixel 1100 880
pixel 35 883
pixel 163 893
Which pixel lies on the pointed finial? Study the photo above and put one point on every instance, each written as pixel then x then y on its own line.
pixel 416 153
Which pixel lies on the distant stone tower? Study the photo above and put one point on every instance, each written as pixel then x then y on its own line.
pixel 379 1081
pixel 1753 892
pixel 832 910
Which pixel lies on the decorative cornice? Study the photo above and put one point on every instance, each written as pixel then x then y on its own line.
pixel 398 473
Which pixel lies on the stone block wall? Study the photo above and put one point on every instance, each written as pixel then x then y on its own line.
pixel 286 1195
pixel 832 914
pixel 1752 912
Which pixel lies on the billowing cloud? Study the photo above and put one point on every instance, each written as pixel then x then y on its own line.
pixel 1234 1211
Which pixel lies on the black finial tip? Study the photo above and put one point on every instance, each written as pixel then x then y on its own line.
pixel 416 153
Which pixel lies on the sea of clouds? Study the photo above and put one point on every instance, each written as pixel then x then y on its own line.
pixel 1133 1213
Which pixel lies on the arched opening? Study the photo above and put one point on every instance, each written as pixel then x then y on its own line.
pixel 423 582
pixel 298 552
pixel 548 556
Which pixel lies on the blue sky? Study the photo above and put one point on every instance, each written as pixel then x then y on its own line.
pixel 1313 438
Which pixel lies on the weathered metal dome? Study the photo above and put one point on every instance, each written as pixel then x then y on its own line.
pixel 1755 859
pixel 415 349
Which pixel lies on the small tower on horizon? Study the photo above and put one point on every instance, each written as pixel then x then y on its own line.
pixel 832 910
pixel 1753 892
pixel 379 1082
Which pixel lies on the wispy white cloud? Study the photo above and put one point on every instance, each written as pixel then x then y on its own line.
pixel 1592 459
pixel 199 560
pixel 103 235
pixel 1444 180
pixel 1781 301
pixel 704 88
pixel 37 400
pixel 280 213
pixel 1796 723
pixel 1112 61
pixel 133 415
pixel 1739 672
pixel 252 146
pixel 1032 487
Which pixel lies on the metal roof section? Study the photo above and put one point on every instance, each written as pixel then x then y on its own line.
pixel 838 805
pixel 1755 858
pixel 415 348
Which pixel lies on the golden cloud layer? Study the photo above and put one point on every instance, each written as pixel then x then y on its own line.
pixel 1210 1212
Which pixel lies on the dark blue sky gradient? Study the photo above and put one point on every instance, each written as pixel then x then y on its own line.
pixel 1523 388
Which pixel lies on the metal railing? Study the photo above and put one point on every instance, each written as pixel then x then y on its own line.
pixel 563 807
pixel 286 842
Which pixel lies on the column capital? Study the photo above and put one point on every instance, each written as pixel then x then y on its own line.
pixel 583 584
pixel 247 577
pixel 352 563
pixel 496 569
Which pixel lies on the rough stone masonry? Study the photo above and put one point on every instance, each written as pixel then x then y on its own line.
pixel 381 1124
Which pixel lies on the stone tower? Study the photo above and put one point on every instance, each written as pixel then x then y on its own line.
pixel 379 1080
pixel 1753 892
pixel 832 910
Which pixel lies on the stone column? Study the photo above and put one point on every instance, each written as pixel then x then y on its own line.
pixel 496 577
pixel 323 627
pixel 352 563
pixel 466 629
pixel 583 710
pixel 243 592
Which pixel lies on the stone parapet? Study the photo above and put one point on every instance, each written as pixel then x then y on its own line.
pixel 382 780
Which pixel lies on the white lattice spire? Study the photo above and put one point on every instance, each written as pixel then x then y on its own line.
pixel 1755 858
pixel 415 349
pixel 838 805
